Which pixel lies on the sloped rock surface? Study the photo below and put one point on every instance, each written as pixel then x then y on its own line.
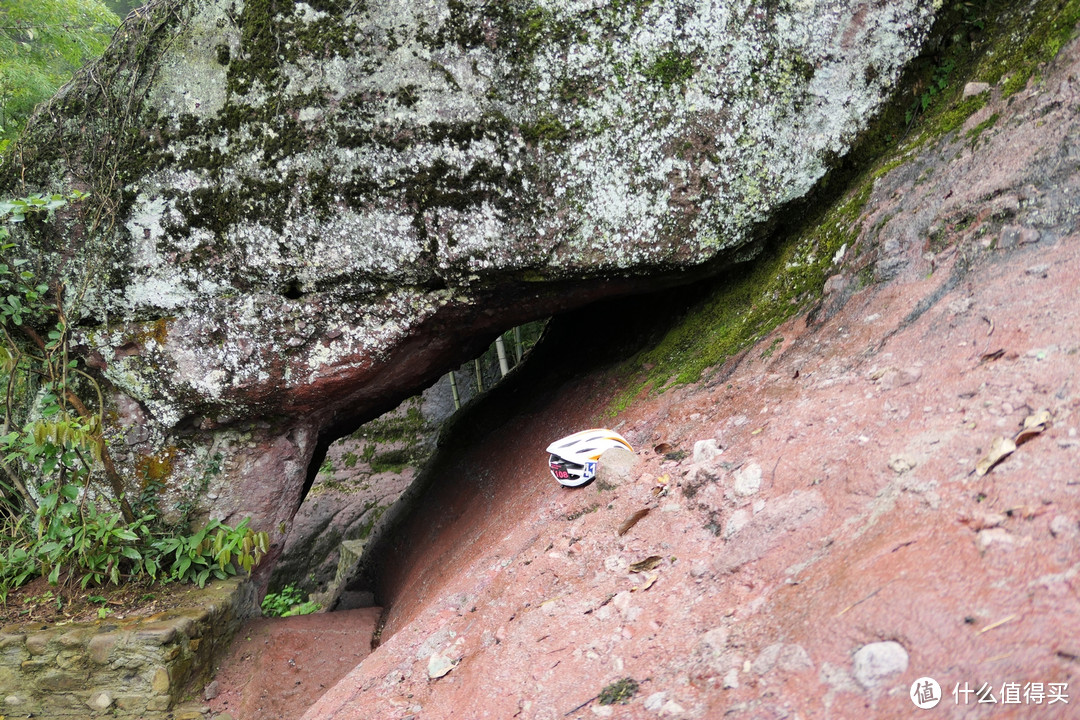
pixel 304 212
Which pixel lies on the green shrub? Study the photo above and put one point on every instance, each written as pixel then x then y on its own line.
pixel 217 550
pixel 290 601
pixel 63 511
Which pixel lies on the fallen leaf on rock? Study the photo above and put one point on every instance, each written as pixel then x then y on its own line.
pixel 1027 434
pixel 650 578
pixel 1000 449
pixel 983 521
pixel 1027 512
pixel 878 373
pixel 1034 424
pixel 995 355
pixel 632 521
pixel 647 564
pixel 661 486
pixel 1037 419
pixel 662 449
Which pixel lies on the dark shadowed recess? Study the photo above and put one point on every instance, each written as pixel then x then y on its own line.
pixel 574 344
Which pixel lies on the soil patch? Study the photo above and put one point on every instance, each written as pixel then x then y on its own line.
pixel 38 601
pixel 278 667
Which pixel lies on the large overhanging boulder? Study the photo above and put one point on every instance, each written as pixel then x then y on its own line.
pixel 304 212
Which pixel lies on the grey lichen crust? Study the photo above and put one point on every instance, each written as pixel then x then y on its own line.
pixel 293 189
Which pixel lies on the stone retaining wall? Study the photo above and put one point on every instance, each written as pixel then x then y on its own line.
pixel 123 669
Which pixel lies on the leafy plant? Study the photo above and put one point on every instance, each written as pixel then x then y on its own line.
pixel 63 510
pixel 287 603
pixel 72 542
pixel 937 84
pixel 619 691
pixel 216 550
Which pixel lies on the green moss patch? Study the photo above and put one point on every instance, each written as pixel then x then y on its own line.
pixel 671 68
pixel 750 301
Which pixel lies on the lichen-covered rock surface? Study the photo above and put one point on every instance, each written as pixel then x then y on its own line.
pixel 304 212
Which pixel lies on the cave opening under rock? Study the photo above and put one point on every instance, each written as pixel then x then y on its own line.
pixel 361 469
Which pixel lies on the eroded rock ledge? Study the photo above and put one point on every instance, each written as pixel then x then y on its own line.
pixel 304 212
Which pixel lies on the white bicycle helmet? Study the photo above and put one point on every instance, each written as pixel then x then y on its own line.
pixel 573 459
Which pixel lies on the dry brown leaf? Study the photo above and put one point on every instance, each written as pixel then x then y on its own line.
pixel 661 486
pixel 1000 449
pixel 650 578
pixel 1034 424
pixel 662 449
pixel 983 521
pixel 647 564
pixel 1037 419
pixel 632 521
pixel 1027 434
pixel 1027 512
pixel 878 373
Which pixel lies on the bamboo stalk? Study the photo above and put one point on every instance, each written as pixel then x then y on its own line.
pixel 500 349
pixel 454 391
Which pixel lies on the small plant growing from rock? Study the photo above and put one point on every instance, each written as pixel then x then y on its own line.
pixel 290 601
pixel 619 692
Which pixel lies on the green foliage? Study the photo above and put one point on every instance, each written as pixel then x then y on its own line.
pixel 55 481
pixel 42 42
pixel 938 83
pixel 70 539
pixel 42 434
pixel 290 601
pixel 217 550
pixel 997 42
pixel 619 692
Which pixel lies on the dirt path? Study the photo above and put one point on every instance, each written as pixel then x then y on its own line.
pixel 278 667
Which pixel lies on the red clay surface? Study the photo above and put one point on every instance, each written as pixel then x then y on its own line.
pixel 278 667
